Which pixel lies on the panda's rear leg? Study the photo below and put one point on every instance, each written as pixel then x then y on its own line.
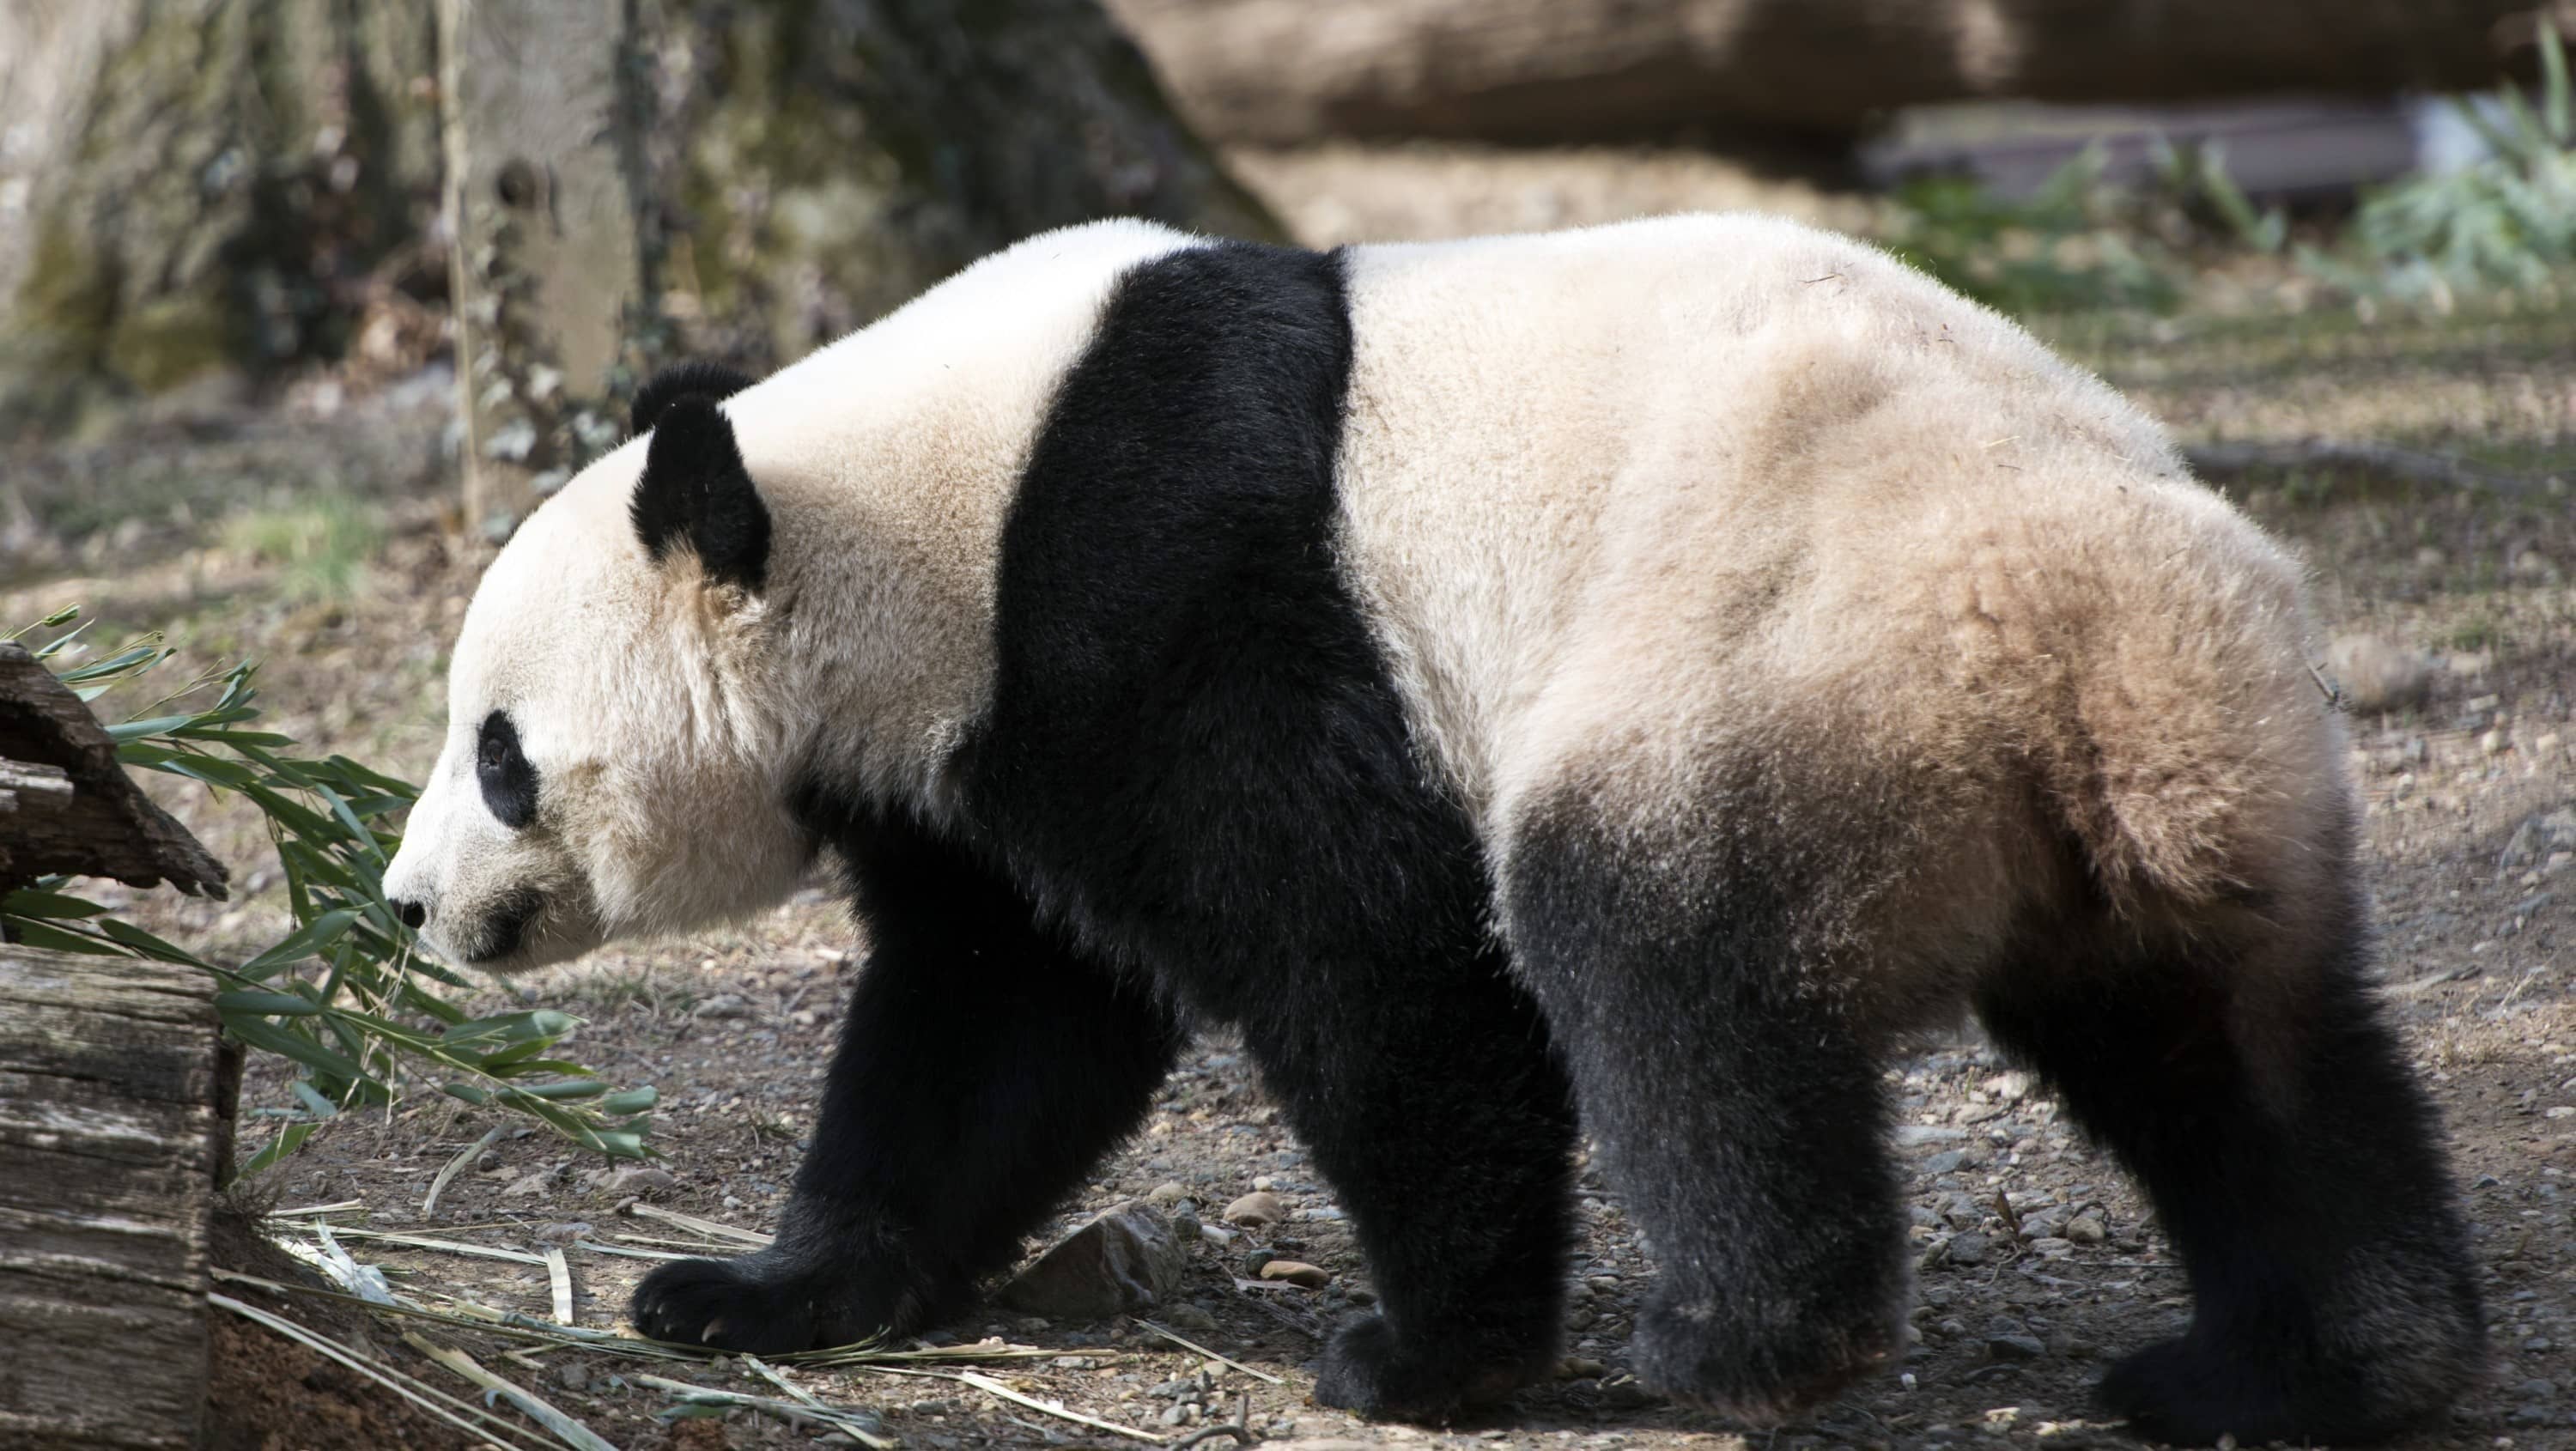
pixel 2268 1110
pixel 1739 1107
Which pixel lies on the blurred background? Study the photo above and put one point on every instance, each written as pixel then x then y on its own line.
pixel 305 304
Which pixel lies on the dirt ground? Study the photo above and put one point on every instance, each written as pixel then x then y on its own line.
pixel 2037 1261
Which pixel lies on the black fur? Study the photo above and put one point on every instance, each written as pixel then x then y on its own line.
pixel 984 1066
pixel 695 491
pixel 2304 1184
pixel 1738 1107
pixel 712 381
pixel 508 779
pixel 1195 767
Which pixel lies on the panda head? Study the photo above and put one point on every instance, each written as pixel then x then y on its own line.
pixel 615 760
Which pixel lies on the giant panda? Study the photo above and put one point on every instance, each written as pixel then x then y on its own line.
pixel 1625 681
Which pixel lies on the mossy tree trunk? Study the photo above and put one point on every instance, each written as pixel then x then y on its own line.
pixel 209 181
pixel 787 170
pixel 197 188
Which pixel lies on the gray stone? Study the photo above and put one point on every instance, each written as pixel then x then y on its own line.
pixel 1126 1259
pixel 1969 1249
pixel 2015 1347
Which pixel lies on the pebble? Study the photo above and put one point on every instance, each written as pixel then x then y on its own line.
pixel 1188 1317
pixel 1297 1272
pixel 2087 1229
pixel 1969 1249
pixel 1168 1193
pixel 1256 1209
pixel 724 1005
pixel 1575 1367
pixel 2015 1347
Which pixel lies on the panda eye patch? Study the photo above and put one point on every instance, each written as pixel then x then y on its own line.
pixel 509 783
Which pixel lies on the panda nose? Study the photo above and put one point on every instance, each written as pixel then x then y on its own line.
pixel 413 914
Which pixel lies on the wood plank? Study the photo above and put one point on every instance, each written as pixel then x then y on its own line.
pixel 113 1128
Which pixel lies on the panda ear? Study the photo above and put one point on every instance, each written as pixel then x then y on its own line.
pixel 714 380
pixel 696 492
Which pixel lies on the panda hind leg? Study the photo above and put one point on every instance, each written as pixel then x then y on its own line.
pixel 2267 1108
pixel 1739 1108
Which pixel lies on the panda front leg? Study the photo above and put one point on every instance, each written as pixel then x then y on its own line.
pixel 983 1069
pixel 1736 1103
pixel 1429 1098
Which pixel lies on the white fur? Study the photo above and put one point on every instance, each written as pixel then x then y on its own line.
pixel 668 719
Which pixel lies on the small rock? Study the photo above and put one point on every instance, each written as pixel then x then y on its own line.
pixel 528 1186
pixel 2546 744
pixel 724 1005
pixel 1575 1367
pixel 1255 1210
pixel 2492 744
pixel 639 1180
pixel 1947 1161
pixel 2015 1347
pixel 1189 1317
pixel 1296 1272
pixel 1073 1362
pixel 1125 1259
pixel 2087 1229
pixel 1627 1394
pixel 1969 1249
pixel 1913 1135
pixel 2372 673
pixel 564 1233
pixel 1167 1194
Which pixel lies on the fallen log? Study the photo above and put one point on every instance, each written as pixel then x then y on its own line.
pixel 1278 71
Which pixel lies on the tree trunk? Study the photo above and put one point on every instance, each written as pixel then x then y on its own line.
pixel 194 193
pixel 769 175
pixel 191 191
pixel 1569 70
pixel 115 1120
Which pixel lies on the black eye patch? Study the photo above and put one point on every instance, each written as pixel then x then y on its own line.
pixel 509 782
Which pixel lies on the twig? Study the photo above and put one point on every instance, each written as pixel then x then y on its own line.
pixel 1240 1428
pixel 430 1202
pixel 992 1387
pixel 2400 465
pixel 447 1246
pixel 846 1422
pixel 1259 1375
pixel 777 1378
pixel 707 1227
pixel 567 1430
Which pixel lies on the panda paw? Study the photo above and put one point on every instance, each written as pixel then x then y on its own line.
pixel 1760 1373
pixel 1371 1374
pixel 765 1304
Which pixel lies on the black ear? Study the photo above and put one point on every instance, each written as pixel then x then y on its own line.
pixel 695 491
pixel 714 380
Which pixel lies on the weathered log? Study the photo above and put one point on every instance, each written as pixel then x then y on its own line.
pixel 115 1120
pixel 102 826
pixel 1575 70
